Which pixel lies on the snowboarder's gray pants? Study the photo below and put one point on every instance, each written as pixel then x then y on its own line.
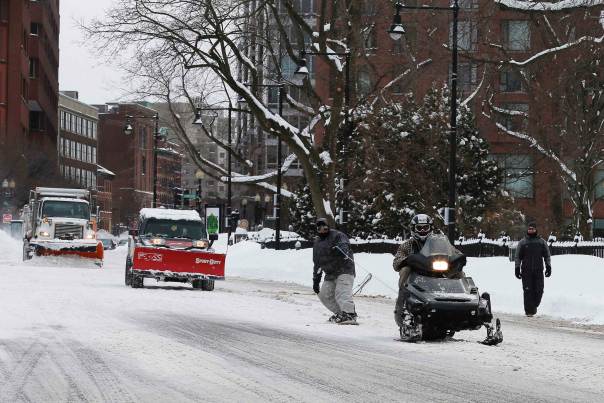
pixel 336 294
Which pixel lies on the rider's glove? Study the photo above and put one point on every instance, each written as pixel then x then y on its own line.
pixel 548 271
pixel 316 282
pixel 518 275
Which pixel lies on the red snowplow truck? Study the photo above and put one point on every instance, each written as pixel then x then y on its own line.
pixel 57 222
pixel 172 245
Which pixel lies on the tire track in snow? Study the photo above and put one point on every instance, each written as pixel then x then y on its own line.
pixel 12 389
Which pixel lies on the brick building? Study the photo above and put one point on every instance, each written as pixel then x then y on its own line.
pixel 487 33
pixel 78 140
pixel 29 62
pixel 104 198
pixel 130 158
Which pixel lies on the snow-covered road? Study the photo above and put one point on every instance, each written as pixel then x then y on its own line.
pixel 73 334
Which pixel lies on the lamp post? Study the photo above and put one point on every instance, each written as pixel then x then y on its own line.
pixel 199 175
pixel 128 130
pixel 300 75
pixel 396 31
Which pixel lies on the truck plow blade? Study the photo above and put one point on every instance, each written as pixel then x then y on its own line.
pixel 86 250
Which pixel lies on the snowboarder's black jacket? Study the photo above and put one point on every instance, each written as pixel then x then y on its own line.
pixel 531 252
pixel 327 257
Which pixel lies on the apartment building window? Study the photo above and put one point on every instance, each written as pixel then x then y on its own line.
pixel 518 174
pixel 516 35
pixel 62 120
pixel 3 10
pixel 364 83
pixel 33 67
pixel 510 80
pixel 599 183
pixel 94 155
pixel 370 38
pixel 144 165
pixel 35 29
pixel 70 122
pixel 467 77
pixel 368 7
pixel 467 35
pixel 143 137
pixel 515 122
pixel 467 4
pixel 36 120
pixel 94 130
pixel 271 157
pixel 397 70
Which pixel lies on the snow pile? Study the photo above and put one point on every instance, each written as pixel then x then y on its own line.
pixel 10 249
pixel 573 292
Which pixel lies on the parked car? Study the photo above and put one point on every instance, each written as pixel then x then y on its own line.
pixel 108 244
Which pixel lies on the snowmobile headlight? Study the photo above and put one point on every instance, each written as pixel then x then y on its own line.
pixel 440 265
pixel 200 244
pixel 157 241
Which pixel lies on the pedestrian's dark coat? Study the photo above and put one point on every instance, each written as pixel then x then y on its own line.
pixel 331 260
pixel 531 252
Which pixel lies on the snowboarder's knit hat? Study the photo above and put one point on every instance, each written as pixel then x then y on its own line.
pixel 532 224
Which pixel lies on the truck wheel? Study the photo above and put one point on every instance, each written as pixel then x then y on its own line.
pixel 207 285
pixel 196 284
pixel 128 273
pixel 136 281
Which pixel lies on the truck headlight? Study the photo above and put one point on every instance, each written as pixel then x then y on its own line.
pixel 90 235
pixel 200 244
pixel 44 234
pixel 440 265
pixel 157 241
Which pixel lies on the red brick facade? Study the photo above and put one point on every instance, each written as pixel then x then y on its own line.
pixel 487 36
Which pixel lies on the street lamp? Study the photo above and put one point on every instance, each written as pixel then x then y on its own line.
pixel 396 31
pixel 128 130
pixel 300 75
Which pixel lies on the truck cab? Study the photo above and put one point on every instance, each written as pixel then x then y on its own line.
pixel 57 222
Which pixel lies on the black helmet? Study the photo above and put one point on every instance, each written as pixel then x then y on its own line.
pixel 421 226
pixel 322 222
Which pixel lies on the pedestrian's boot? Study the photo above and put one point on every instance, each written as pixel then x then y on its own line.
pixel 335 318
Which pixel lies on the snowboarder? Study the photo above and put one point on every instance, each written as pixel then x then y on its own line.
pixel 531 252
pixel 332 256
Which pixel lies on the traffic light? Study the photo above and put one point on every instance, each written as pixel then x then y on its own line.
pixel 234 219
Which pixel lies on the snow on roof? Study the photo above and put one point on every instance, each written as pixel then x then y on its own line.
pixel 103 170
pixel 64 199
pixel 169 214
pixel 44 191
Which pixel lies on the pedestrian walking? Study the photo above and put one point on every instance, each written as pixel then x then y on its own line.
pixel 332 256
pixel 531 252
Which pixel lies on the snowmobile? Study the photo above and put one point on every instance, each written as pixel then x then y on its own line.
pixel 437 301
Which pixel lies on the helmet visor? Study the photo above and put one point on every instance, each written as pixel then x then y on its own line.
pixel 423 229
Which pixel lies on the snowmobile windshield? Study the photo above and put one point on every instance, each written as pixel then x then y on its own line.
pixel 67 209
pixel 174 229
pixel 439 245
pixel 438 285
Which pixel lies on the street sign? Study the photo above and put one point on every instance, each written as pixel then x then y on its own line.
pixel 213 220
pixel 7 218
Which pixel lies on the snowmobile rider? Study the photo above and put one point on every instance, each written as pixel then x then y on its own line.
pixel 332 256
pixel 421 227
pixel 531 252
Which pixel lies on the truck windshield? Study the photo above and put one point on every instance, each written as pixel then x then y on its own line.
pixel 55 208
pixel 174 229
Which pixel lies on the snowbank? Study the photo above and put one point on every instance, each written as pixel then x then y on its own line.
pixel 573 292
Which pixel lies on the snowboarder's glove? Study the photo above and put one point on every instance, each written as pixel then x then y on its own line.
pixel 316 282
pixel 548 271
pixel 518 275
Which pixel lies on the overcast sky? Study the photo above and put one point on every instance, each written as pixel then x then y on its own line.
pixel 79 69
